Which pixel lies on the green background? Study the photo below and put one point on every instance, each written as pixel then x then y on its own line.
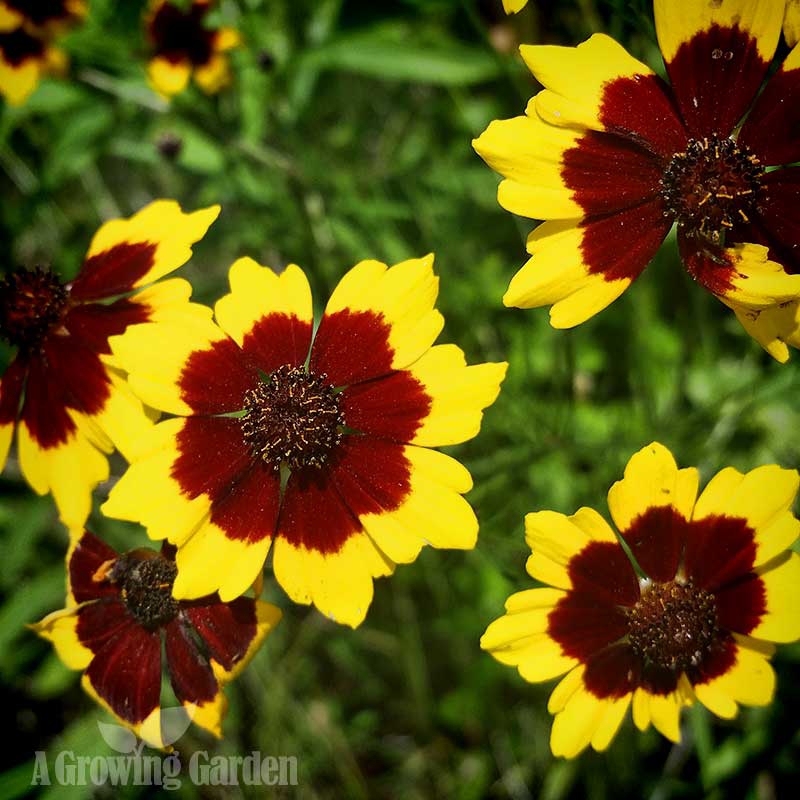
pixel 346 135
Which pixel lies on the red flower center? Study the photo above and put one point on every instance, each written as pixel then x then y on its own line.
pixel 673 625
pixel 180 34
pixel 712 186
pixel 294 419
pixel 146 579
pixel 32 302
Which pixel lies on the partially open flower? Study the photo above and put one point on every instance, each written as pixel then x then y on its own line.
pixel 185 47
pixel 321 448
pixel 716 585
pixel 121 611
pixel 63 391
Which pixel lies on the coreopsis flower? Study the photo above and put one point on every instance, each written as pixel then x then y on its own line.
pixel 513 6
pixel 716 586
pixel 121 611
pixel 611 156
pixel 320 450
pixel 27 52
pixel 63 391
pixel 184 47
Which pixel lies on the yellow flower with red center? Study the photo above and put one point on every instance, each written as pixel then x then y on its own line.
pixel 184 47
pixel 120 609
pixel 63 391
pixel 716 585
pixel 26 50
pixel 319 450
pixel 611 156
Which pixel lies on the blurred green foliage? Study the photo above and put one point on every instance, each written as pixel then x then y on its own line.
pixel 346 135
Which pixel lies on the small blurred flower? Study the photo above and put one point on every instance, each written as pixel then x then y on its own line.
pixel 183 47
pixel 62 391
pixel 26 51
pixel 611 157
pixel 513 6
pixel 322 447
pixel 720 585
pixel 120 608
pixel 169 144
pixel 266 61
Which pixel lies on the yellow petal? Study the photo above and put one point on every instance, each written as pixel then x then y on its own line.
pixel 791 22
pixel 763 497
pixel 652 480
pixel 18 82
pixel 593 525
pixel 404 295
pixel 529 617
pixel 781 620
pixel 774 328
pixel 168 78
pixel 226 39
pixel 209 561
pixel 214 75
pixel 575 78
pixel 148 730
pixel 458 393
pixel 147 492
pixel 757 283
pixel 256 292
pixel 10 19
pixel 750 681
pixel 529 154
pixel 209 715
pixel 433 513
pixel 609 724
pixel 520 637
pixel 70 470
pixel 6 435
pixel 584 718
pixel 555 539
pixel 60 628
pixel 162 223
pixel 338 584
pixel 565 689
pixel 155 355
pixel 123 419
pixel 662 710
pixel 557 274
pixel 761 20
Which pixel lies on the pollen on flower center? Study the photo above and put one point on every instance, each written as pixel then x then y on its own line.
pixel 712 186
pixel 146 579
pixel 673 625
pixel 31 303
pixel 294 419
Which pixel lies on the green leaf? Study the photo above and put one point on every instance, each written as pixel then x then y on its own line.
pixel 392 52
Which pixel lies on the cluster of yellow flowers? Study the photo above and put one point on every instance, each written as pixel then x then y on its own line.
pixel 181 44
pixel 249 428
